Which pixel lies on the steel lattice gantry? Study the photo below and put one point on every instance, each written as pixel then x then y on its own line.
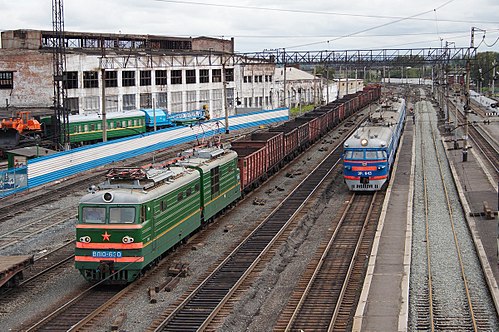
pixel 360 58
pixel 351 58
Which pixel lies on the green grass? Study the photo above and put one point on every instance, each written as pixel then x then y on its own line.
pixel 295 111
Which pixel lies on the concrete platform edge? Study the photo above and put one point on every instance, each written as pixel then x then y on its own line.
pixel 359 313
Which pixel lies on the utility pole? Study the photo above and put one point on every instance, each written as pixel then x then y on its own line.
pixel 103 92
pixel 467 96
pixel 224 91
pixel 284 76
pixel 493 76
pixel 224 96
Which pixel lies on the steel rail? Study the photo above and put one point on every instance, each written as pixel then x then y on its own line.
pixel 456 241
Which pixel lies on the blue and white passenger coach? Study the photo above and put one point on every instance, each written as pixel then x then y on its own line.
pixel 370 151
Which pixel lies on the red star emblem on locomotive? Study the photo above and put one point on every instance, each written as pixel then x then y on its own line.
pixel 105 236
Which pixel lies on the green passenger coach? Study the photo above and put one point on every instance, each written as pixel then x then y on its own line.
pixel 132 219
pixel 86 129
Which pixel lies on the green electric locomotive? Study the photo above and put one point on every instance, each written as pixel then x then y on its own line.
pixel 129 221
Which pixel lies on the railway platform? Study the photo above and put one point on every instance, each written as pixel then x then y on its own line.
pixel 383 305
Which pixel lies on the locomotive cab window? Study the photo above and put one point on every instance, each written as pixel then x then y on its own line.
pixel 354 154
pixel 93 215
pixel 121 215
pixel 375 155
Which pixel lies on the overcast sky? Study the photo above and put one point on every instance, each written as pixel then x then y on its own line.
pixel 292 24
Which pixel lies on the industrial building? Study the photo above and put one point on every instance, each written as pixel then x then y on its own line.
pixel 145 71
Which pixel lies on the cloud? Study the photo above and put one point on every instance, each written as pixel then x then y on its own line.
pixel 258 29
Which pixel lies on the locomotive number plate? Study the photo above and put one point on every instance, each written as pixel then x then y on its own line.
pixel 106 254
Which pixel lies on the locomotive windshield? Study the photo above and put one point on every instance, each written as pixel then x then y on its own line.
pixel 365 154
pixel 354 154
pixel 375 155
pixel 93 215
pixel 117 215
pixel 121 215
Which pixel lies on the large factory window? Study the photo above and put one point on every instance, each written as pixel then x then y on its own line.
pixel 73 104
pixel 161 78
pixel 6 80
pixel 128 78
pixel 176 77
pixel 111 79
pixel 190 76
pixel 162 100
pixel 90 79
pixel 91 104
pixel 229 75
pixel 204 76
pixel 204 97
pixel 145 100
pixel 216 75
pixel 145 77
pixel 128 102
pixel 176 101
pixel 70 80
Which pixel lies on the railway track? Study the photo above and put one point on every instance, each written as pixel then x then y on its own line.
pixel 76 310
pixel 201 306
pixel 327 294
pixel 44 268
pixel 462 306
pixel 35 227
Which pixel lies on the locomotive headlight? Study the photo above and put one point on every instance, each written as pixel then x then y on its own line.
pixel 348 168
pixel 85 239
pixel 127 239
pixel 108 197
pixel 381 167
pixel 364 142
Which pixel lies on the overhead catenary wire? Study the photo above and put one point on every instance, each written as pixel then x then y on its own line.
pixel 374 27
pixel 315 12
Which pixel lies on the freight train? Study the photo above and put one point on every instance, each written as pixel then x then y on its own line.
pixel 127 223
pixel 369 152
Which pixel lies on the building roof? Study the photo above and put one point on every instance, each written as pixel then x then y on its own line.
pixel 31 151
pixel 292 74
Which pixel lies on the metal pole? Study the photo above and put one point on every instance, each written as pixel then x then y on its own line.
pixel 103 96
pixel 224 98
pixel 493 76
pixel 466 111
pixel 154 112
pixel 284 78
